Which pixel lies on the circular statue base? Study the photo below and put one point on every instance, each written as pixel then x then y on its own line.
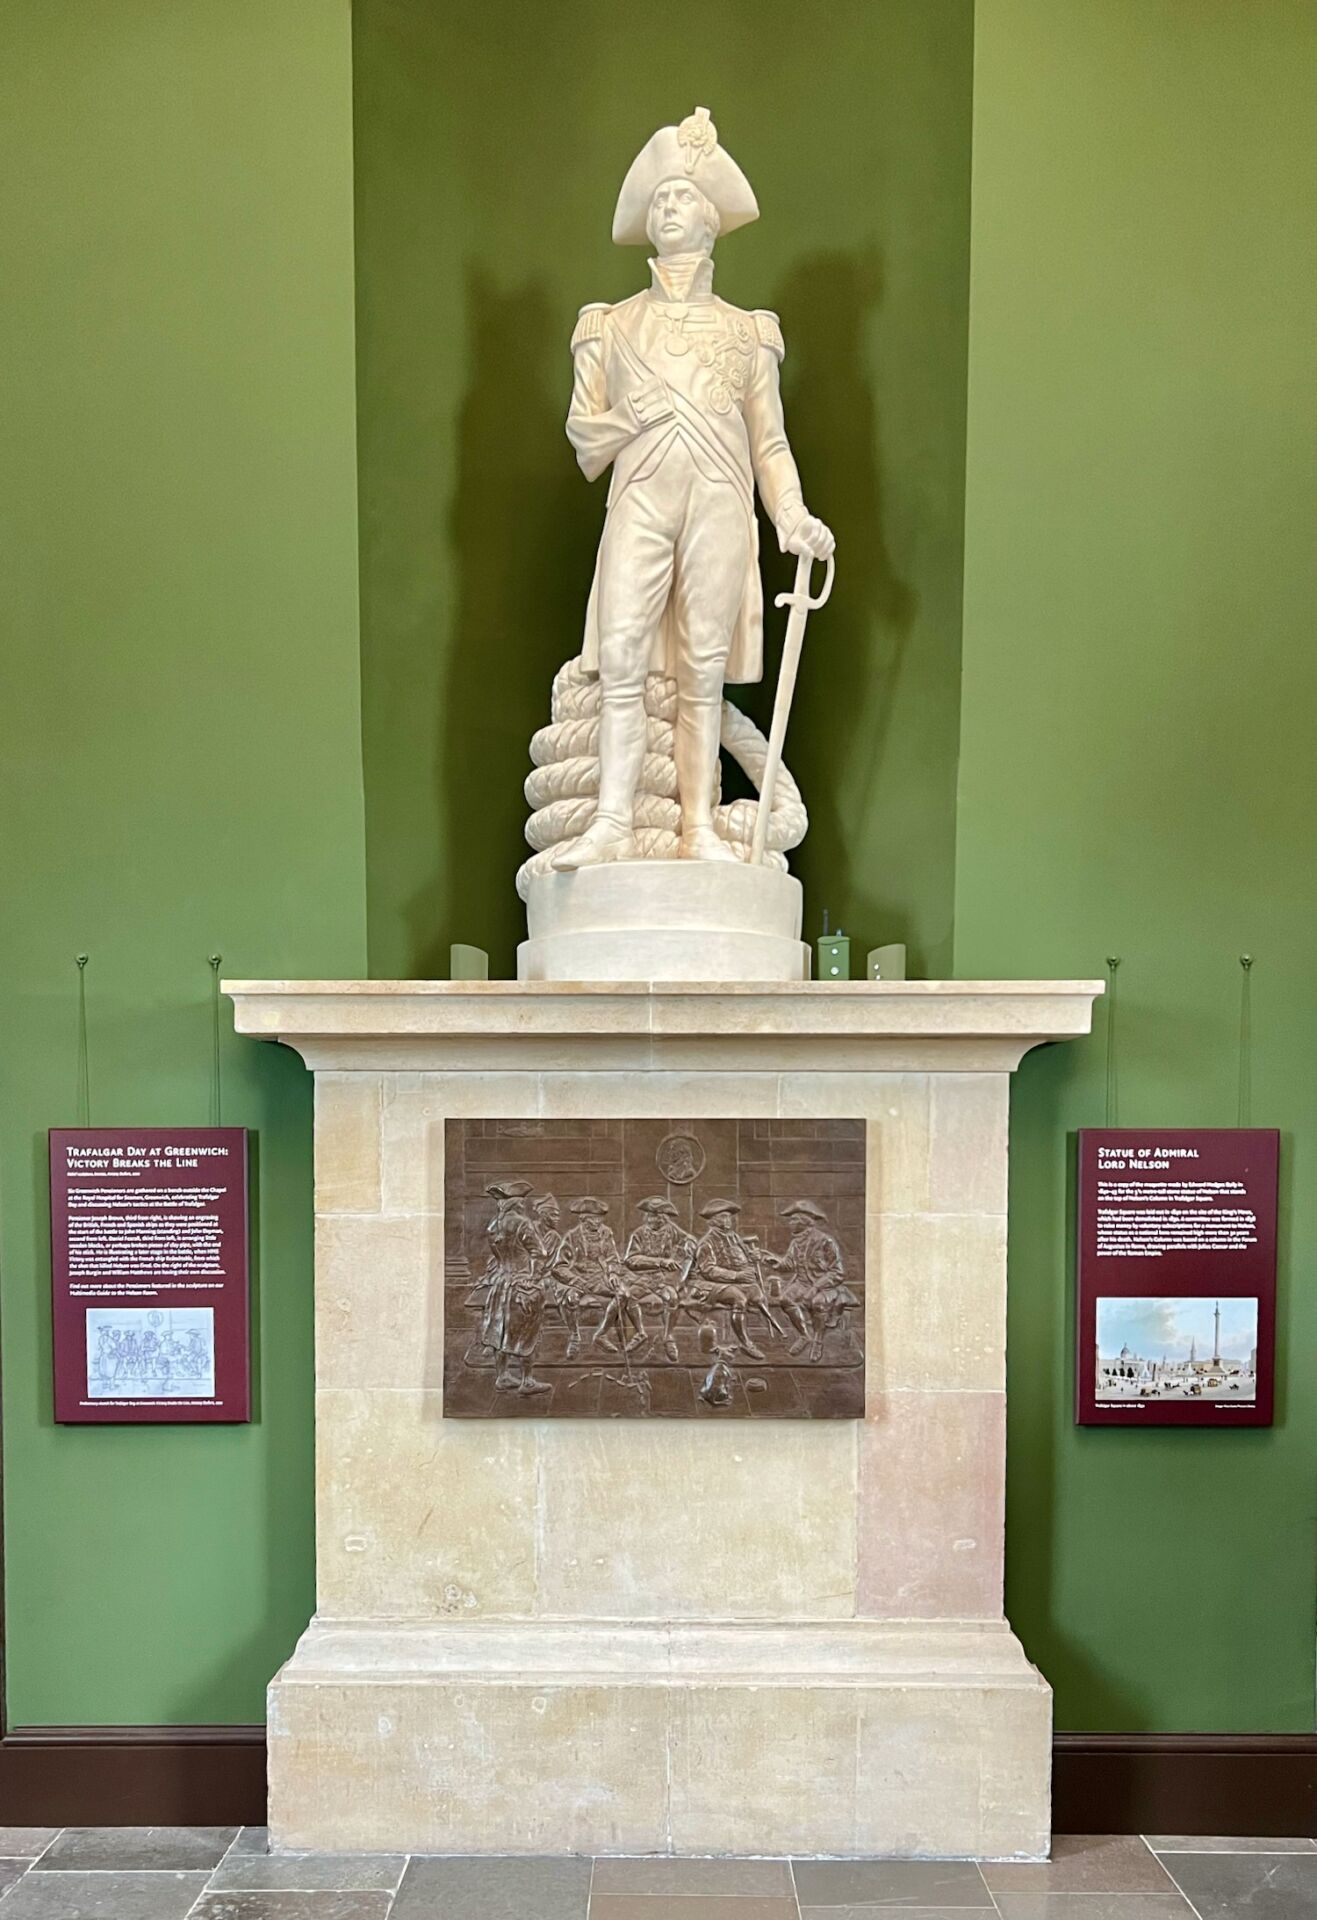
pixel 664 920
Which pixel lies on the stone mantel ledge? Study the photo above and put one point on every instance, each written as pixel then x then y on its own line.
pixel 907 1026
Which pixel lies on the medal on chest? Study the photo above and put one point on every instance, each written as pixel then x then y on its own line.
pixel 724 346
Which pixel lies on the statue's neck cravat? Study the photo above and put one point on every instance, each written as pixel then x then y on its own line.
pixel 682 277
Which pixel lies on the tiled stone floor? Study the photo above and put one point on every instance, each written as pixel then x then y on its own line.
pixel 214 1873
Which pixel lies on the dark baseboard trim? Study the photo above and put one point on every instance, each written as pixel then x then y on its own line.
pixel 132 1776
pixel 1102 1782
pixel 1262 1784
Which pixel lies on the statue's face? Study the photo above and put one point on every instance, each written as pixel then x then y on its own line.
pixel 677 222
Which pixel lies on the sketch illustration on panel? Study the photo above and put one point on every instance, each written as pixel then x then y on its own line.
pixel 625 1268
pixel 1176 1347
pixel 150 1353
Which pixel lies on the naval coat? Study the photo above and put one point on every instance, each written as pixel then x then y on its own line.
pixel 720 367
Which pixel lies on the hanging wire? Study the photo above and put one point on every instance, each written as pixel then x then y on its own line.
pixel 83 1088
pixel 1113 963
pixel 1245 1040
pixel 216 1086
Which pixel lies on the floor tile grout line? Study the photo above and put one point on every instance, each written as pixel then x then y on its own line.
pixel 1154 1855
pixel 1178 1888
pixel 53 1874
pixel 992 1906
pixel 46 1849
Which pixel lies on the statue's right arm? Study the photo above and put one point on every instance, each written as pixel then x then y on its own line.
pixel 597 431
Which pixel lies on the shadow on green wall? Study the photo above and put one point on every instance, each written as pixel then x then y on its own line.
pixel 519 551
pixel 855 652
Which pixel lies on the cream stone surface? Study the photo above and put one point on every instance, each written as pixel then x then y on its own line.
pixel 896 1110
pixel 413 1111
pixel 417 1516
pixel 818 1027
pixel 931 1514
pixel 672 1519
pixel 347 1142
pixel 936 1311
pixel 992 1774
pixel 432 1743
pixel 663 1636
pixel 968 1125
pixel 379 1300
pixel 608 1096
pixel 782 1756
pixel 911 1739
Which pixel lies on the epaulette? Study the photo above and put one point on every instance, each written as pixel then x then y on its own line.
pixel 770 332
pixel 589 323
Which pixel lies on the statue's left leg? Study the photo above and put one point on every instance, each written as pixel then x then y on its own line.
pixel 712 556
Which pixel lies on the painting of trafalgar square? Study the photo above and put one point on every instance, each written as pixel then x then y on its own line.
pixel 624 1269
pixel 1177 1348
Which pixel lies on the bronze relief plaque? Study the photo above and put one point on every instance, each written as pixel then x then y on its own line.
pixel 625 1269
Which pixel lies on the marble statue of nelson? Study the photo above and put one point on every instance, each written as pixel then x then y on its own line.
pixel 677 391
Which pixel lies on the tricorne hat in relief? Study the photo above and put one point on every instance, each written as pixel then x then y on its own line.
pixel 690 152
pixel 808 1209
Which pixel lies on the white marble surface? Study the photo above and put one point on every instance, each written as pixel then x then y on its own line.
pixel 677 392
pixel 678 919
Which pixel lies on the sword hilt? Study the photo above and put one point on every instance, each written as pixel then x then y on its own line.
pixel 800 595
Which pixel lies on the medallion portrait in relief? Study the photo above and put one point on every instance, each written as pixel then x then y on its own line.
pixel 632 1268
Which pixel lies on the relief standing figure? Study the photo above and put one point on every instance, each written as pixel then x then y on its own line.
pixel 514 1304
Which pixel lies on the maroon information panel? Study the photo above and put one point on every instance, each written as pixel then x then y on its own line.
pixel 149 1273
pixel 1176 1318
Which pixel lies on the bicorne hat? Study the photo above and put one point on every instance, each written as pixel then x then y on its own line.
pixel 719 1206
pixel 688 152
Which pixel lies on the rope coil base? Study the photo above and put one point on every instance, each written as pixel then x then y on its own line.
pixel 563 787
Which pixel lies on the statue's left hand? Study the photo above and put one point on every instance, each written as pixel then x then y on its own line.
pixel 811 536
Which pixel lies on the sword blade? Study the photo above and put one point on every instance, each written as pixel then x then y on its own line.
pixel 786 687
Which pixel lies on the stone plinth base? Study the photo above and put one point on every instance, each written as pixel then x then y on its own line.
pixel 845 1737
pixel 736 1636
pixel 664 920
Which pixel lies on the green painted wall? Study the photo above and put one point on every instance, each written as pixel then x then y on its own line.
pixel 491 140
pixel 181 738
pixel 1137 771
pixel 180 759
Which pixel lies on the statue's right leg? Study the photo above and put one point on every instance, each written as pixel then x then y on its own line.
pixel 635 576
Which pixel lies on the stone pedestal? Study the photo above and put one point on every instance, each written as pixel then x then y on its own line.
pixel 662 1636
pixel 684 919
